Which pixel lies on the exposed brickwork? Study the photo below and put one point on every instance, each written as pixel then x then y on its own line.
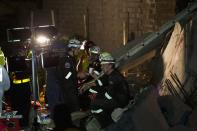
pixel 106 17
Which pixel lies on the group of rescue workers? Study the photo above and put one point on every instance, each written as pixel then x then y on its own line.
pixel 85 82
pixel 83 88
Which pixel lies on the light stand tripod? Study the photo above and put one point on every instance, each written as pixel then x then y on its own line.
pixel 35 125
pixel 35 32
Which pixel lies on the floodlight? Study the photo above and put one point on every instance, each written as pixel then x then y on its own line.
pixel 42 40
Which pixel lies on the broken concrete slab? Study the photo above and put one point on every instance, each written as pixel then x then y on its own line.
pixel 174 110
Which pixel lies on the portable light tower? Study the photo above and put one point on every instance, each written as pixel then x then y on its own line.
pixel 38 37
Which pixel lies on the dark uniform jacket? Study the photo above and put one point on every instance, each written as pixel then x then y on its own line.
pixel 68 79
pixel 118 89
pixel 116 92
pixel 116 95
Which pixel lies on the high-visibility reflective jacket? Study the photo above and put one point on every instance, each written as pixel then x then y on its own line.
pixel 4 83
pixel 2 58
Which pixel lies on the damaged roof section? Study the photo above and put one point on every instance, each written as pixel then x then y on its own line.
pixel 166 58
pixel 135 49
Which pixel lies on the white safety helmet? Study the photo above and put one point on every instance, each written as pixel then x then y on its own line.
pixel 74 43
pixel 95 50
pixel 106 58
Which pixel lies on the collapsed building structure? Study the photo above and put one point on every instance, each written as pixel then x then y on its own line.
pixel 165 59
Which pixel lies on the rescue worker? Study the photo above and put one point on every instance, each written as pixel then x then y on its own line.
pixel 94 62
pixel 116 95
pixel 20 89
pixel 83 59
pixel 95 72
pixel 4 79
pixel 94 68
pixel 96 77
pixel 91 73
pixel 67 75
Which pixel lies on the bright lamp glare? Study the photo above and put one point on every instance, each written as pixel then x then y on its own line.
pixel 42 39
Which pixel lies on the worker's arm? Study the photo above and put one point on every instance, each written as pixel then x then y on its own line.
pixel 4 78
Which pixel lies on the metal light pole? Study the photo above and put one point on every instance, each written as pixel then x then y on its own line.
pixel 34 75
